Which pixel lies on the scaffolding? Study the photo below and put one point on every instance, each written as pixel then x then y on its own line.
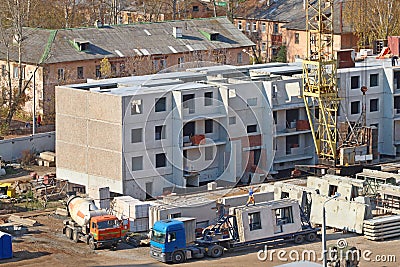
pixel 320 92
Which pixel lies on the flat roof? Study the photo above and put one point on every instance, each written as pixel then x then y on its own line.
pixel 272 203
pixel 137 89
pixel 279 70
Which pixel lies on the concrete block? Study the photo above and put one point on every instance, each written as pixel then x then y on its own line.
pixel 48 156
pixel 139 225
pixel 212 186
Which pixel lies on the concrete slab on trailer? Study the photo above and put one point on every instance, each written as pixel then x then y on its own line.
pixel 263 220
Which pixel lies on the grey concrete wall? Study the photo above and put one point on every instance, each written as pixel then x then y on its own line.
pixel 340 214
pixel 89 139
pixel 11 149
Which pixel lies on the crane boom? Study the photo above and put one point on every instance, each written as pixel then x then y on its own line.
pixel 320 92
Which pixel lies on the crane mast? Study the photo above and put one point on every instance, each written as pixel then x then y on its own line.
pixel 320 92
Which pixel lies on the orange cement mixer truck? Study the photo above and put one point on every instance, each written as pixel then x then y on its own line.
pixel 93 226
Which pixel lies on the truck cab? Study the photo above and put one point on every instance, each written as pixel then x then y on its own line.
pixel 107 227
pixel 168 241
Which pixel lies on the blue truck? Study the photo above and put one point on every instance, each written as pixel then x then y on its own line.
pixel 173 240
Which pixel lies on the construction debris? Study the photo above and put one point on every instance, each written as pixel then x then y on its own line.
pixel 13 229
pixel 382 228
pixel 23 221
pixel 61 212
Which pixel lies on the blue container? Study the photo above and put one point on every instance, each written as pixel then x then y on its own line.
pixel 5 246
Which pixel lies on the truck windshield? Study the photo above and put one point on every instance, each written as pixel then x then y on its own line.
pixel 108 224
pixel 157 236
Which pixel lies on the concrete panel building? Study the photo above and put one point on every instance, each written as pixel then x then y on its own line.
pixel 146 137
pixel 153 134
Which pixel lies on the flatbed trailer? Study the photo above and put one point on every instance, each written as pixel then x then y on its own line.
pixel 168 240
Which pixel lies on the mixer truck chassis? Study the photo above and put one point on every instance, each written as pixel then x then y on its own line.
pixel 74 232
pixel 93 226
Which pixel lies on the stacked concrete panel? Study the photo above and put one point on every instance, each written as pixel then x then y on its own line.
pixel 382 228
pixel 135 210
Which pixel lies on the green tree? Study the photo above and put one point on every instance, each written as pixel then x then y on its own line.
pixel 281 56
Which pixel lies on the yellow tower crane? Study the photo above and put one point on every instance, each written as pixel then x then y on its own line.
pixel 320 92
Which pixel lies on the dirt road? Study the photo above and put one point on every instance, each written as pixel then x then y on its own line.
pixel 45 245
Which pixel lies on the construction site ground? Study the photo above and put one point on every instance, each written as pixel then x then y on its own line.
pixel 45 245
pixel 23 173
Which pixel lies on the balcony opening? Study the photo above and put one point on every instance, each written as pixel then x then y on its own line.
pixel 292 116
pixel 189 102
pixel 292 141
pixel 397 105
pixel 396 80
pixel 189 129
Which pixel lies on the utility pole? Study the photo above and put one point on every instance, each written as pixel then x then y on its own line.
pixel 324 249
pixel 34 103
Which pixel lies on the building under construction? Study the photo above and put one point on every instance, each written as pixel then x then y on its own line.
pixel 107 145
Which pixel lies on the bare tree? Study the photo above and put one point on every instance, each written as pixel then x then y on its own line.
pixel 152 9
pixel 13 14
pixel 373 19
pixel 69 7
pixel 233 6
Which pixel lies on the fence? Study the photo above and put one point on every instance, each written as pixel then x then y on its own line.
pixel 11 149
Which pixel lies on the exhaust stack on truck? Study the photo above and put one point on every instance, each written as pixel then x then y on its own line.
pixel 93 226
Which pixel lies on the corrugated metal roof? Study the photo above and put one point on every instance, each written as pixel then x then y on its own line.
pixel 278 10
pixel 291 12
pixel 299 21
pixel 129 40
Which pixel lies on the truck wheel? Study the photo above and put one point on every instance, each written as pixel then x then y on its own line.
pixel 178 257
pixel 216 251
pixel 298 239
pixel 92 245
pixel 114 247
pixel 311 237
pixel 75 236
pixel 68 233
